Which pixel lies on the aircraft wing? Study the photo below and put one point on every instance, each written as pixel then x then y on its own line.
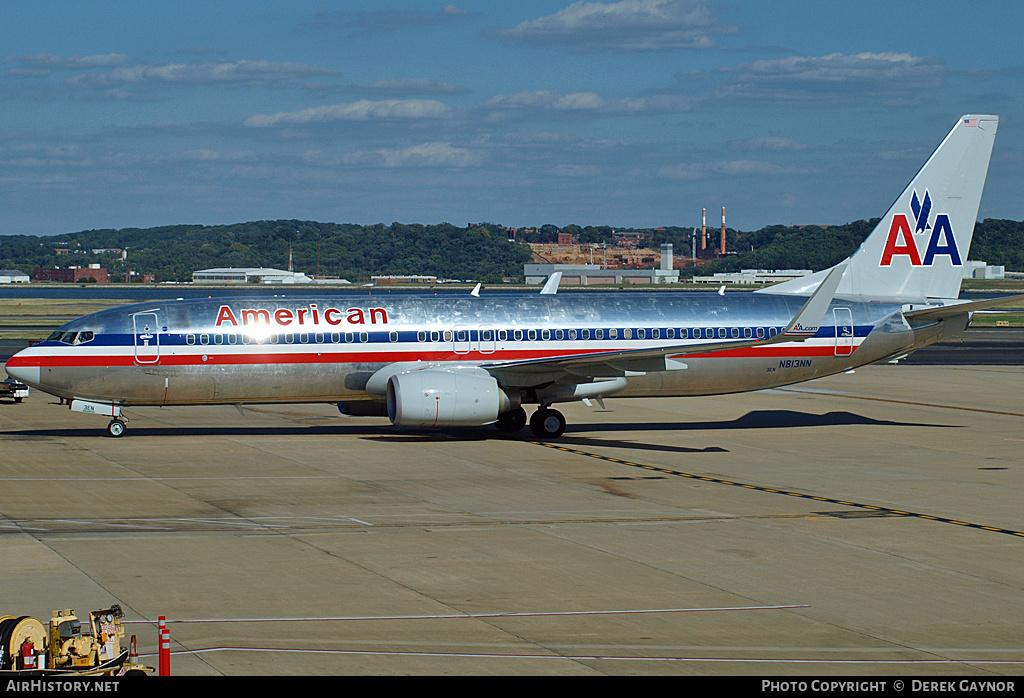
pixel 926 316
pixel 624 362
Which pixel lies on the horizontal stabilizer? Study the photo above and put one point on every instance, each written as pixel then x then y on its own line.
pixel 928 315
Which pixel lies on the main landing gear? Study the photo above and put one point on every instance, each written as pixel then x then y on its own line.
pixel 116 427
pixel 545 423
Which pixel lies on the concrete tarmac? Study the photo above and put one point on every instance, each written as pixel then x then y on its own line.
pixel 864 524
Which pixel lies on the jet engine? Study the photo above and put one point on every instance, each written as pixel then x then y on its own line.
pixel 445 398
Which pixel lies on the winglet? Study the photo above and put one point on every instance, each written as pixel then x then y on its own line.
pixel 551 285
pixel 810 317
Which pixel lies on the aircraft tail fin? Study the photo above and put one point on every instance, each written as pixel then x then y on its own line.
pixel 918 249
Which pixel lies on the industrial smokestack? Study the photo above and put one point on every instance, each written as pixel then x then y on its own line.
pixel 704 229
pixel 723 231
pixel 291 267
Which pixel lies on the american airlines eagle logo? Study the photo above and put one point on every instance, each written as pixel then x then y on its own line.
pixel 901 241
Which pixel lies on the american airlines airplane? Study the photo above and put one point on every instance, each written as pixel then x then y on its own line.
pixel 475 360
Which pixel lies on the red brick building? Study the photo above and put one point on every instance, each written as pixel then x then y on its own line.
pixel 70 275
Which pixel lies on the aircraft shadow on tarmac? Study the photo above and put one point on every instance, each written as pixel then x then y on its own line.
pixel 574 436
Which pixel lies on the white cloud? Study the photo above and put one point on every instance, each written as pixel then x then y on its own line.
pixel 893 77
pixel 245 72
pixel 628 25
pixel 432 154
pixel 376 21
pixel 733 168
pixel 363 110
pixel 412 86
pixel 772 143
pixel 49 60
pixel 579 102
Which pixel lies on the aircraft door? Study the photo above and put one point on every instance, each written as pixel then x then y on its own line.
pixel 844 331
pixel 147 338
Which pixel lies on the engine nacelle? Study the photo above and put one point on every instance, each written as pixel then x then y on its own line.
pixel 445 398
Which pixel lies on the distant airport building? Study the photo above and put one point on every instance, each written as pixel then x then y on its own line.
pixel 13 276
pixel 69 275
pixel 983 270
pixel 249 275
pixel 753 276
pixel 404 279
pixel 593 274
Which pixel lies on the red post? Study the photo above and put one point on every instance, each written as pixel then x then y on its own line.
pixel 164 667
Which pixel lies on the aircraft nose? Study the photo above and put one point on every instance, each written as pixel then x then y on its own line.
pixel 29 375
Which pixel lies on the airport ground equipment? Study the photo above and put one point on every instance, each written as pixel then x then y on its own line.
pixel 68 647
pixel 13 389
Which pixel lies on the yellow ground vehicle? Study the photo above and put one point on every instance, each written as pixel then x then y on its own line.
pixel 27 647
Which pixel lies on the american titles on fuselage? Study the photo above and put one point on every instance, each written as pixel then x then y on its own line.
pixel 309 315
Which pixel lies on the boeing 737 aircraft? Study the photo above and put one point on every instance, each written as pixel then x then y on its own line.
pixel 475 360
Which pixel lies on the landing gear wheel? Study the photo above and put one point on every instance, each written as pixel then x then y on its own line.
pixel 547 423
pixel 512 421
pixel 115 428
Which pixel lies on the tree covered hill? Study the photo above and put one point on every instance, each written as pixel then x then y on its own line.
pixel 480 252
pixel 349 251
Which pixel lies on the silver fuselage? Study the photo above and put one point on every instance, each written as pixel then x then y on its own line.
pixel 324 349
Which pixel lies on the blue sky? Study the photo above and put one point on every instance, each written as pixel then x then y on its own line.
pixel 632 114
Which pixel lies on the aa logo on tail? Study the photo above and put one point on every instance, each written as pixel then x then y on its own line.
pixel 901 237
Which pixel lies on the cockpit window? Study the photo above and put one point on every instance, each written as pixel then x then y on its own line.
pixel 55 337
pixel 73 337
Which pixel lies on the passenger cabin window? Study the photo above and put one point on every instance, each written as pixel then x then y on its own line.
pixel 585 334
pixel 435 336
pixel 421 336
pixel 448 335
pixel 531 334
pixel 518 334
pixel 205 338
pixel 393 336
